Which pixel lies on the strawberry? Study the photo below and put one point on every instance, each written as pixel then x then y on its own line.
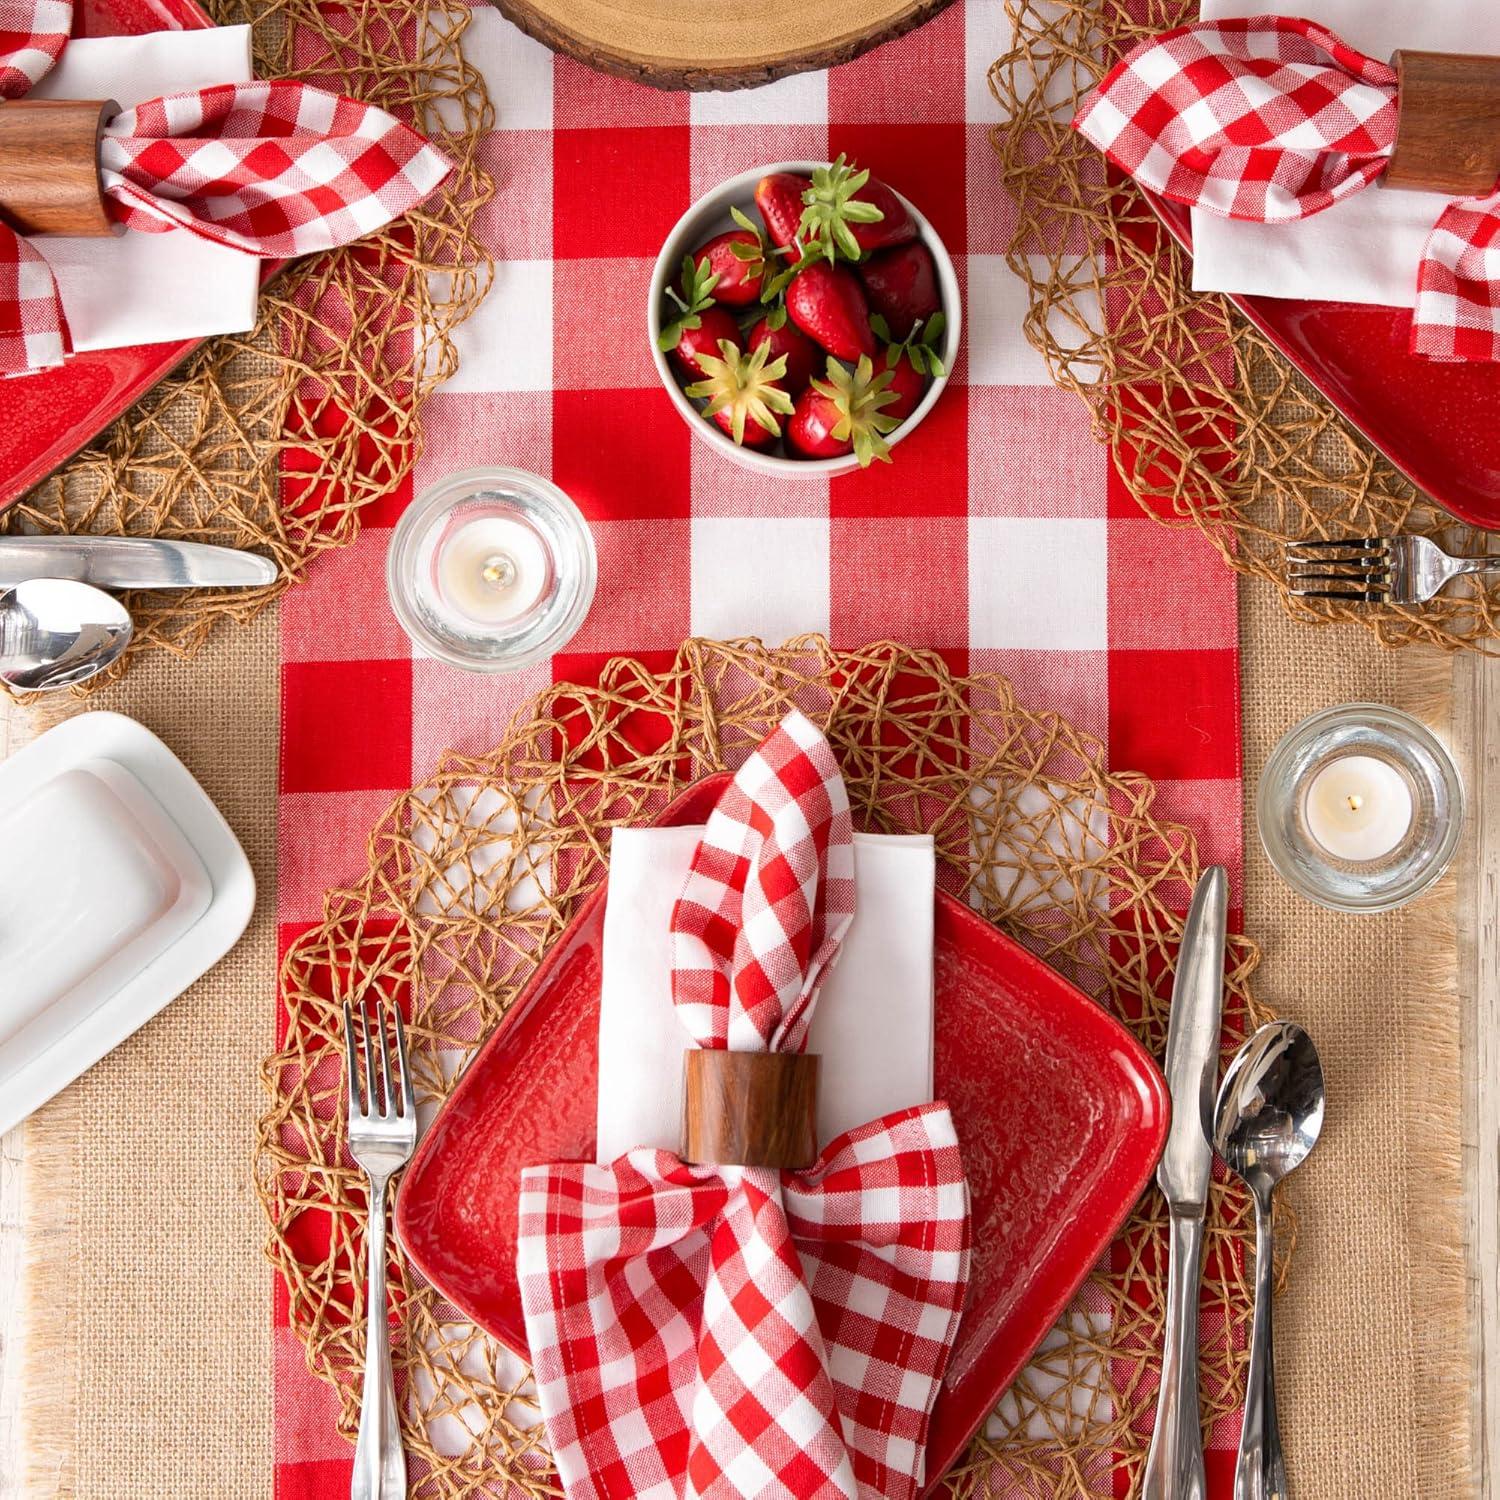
pixel 752 434
pixel 799 351
pixel 779 199
pixel 902 286
pixel 743 392
pixel 911 361
pixel 846 412
pixel 828 304
pixel 738 258
pixel 710 328
pixel 907 383
pixel 691 297
pixel 851 214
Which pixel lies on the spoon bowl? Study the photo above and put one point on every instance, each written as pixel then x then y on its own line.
pixel 1270 1109
pixel 56 633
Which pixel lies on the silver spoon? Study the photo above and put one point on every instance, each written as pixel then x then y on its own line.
pixel 1267 1120
pixel 55 633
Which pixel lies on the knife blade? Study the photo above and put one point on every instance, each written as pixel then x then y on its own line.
pixel 1174 1462
pixel 131 562
pixel 1193 1045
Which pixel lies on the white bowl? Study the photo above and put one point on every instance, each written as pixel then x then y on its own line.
pixel 710 216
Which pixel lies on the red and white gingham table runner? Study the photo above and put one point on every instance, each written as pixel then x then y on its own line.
pixel 1274 119
pixel 1001 536
pixel 274 168
pixel 787 1332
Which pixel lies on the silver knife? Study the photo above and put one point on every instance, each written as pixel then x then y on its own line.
pixel 1174 1463
pixel 131 562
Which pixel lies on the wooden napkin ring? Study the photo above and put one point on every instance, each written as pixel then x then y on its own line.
pixel 750 1109
pixel 1448 125
pixel 49 166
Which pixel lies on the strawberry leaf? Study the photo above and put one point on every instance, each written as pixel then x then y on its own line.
pixel 830 207
pixel 744 385
pixel 858 396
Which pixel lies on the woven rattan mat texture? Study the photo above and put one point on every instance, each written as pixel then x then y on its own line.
pixel 474 873
pixel 148 1354
pixel 276 440
pixel 1208 423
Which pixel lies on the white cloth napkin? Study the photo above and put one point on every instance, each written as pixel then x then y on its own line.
pixel 872 1027
pixel 150 288
pixel 1365 249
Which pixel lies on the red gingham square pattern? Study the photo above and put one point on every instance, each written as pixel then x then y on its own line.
pixel 1274 119
pixel 32 38
pixel 689 542
pixel 728 1331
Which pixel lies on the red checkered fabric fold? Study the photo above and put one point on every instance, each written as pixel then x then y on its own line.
pixel 275 169
pixel 1274 119
pixel 33 34
pixel 730 1331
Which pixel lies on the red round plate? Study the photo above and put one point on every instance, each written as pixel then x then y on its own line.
pixel 1061 1115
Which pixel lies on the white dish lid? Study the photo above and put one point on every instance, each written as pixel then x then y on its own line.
pixel 120 884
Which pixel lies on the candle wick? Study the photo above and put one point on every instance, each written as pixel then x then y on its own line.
pixel 499 571
pixel 1355 802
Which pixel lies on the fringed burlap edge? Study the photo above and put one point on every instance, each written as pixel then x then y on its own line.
pixel 1441 1334
pixel 50 1291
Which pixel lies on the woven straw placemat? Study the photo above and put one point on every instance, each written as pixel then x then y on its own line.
pixel 473 875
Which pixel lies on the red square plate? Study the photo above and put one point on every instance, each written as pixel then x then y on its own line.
pixel 1060 1113
pixel 47 417
pixel 1437 421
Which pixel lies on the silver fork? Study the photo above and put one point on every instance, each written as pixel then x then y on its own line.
pixel 382 1136
pixel 1377 569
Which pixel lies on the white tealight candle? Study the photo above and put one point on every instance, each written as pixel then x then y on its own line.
pixel 1358 807
pixel 492 569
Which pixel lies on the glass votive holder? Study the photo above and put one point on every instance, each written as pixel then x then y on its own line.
pixel 1359 807
pixel 491 569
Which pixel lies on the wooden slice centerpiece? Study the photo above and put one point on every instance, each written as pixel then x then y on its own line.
pixel 713 44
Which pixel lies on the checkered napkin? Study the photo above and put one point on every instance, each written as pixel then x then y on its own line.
pixel 1275 119
pixel 738 1331
pixel 275 169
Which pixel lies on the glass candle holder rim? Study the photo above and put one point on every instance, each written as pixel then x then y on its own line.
pixel 501 485
pixel 1279 789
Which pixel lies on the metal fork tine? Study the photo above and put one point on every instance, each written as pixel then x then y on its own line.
pixel 371 1108
pixel 351 1062
pixel 1362 544
pixel 408 1097
pixel 1357 575
pixel 1355 595
pixel 383 1059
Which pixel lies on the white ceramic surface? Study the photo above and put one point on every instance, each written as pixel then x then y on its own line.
pixel 120 884
pixel 710 216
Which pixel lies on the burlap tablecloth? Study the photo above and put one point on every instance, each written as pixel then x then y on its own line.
pixel 149 1356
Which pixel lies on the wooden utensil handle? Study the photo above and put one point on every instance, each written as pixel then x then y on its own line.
pixel 1448 125
pixel 49 166
pixel 750 1109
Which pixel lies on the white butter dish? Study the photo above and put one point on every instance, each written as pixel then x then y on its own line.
pixel 119 885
